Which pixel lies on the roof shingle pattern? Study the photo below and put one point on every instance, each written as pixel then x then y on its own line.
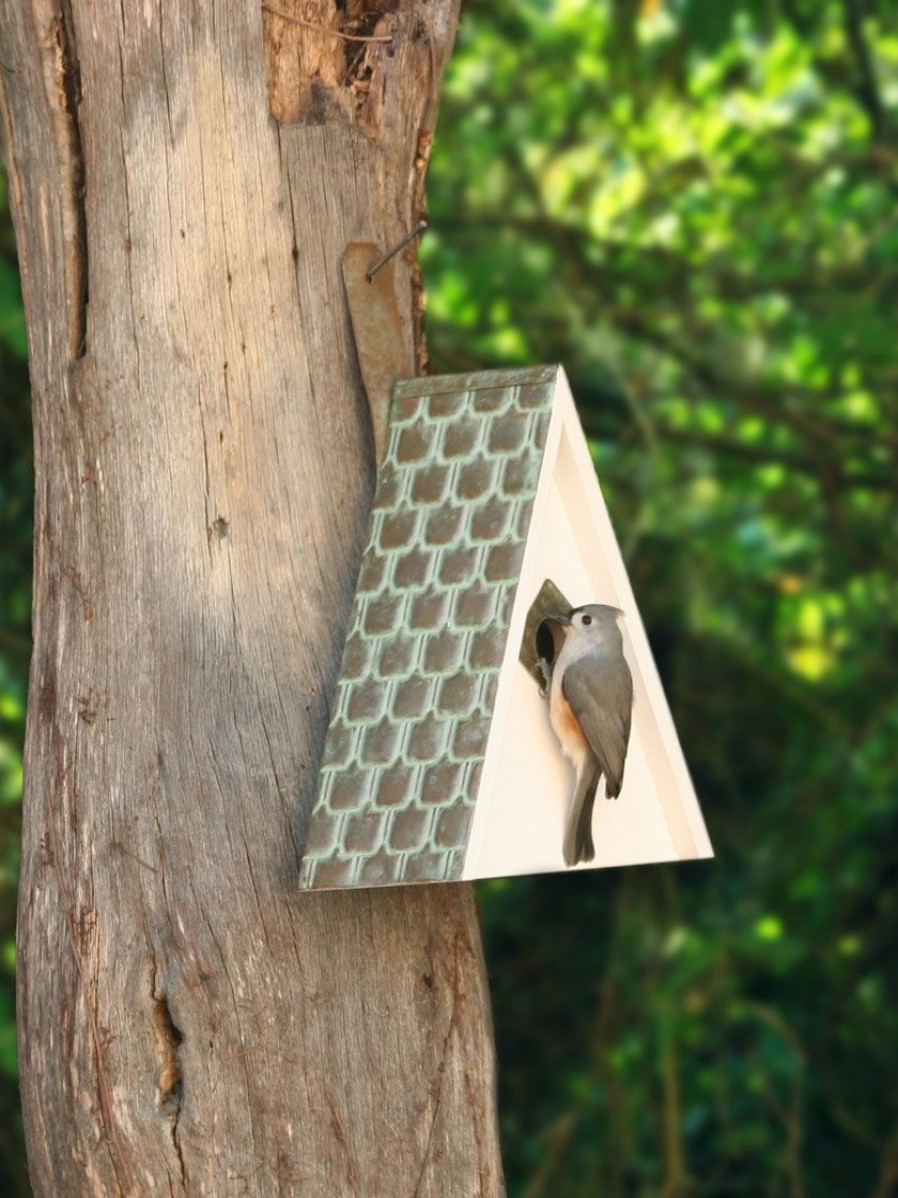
pixel 427 636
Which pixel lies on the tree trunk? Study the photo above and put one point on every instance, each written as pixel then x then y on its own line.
pixel 185 178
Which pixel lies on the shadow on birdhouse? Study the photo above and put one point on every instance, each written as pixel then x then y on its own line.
pixel 440 762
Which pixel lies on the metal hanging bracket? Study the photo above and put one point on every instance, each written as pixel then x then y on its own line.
pixel 380 339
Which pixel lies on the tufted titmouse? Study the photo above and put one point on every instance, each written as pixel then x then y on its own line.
pixel 590 692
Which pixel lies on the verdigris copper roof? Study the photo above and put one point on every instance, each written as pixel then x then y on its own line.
pixel 428 630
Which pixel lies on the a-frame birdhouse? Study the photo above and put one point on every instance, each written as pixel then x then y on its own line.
pixel 440 762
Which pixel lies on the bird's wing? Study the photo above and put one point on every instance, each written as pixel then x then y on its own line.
pixel 600 691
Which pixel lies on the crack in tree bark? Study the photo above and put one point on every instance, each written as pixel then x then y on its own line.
pixel 63 85
pixel 169 1077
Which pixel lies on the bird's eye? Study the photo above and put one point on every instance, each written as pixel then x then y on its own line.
pixel 586 620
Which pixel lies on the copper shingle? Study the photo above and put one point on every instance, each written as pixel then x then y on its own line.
pixel 428 630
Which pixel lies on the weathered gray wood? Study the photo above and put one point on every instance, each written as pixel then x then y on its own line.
pixel 190 1023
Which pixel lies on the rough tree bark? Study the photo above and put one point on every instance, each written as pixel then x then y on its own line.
pixel 185 177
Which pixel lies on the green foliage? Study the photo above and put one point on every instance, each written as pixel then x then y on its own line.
pixel 693 206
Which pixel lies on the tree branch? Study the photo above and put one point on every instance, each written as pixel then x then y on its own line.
pixel 867 86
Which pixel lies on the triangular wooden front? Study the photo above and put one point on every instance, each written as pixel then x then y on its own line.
pixel 527 784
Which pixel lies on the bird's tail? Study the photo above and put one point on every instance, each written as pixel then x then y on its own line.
pixel 578 845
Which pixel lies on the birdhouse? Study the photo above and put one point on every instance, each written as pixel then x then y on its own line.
pixel 441 762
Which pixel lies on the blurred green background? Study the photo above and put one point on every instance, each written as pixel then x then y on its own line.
pixel 692 204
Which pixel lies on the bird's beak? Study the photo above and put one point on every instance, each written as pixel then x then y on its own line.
pixel 560 618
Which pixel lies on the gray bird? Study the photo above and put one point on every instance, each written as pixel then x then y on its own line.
pixel 590 691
